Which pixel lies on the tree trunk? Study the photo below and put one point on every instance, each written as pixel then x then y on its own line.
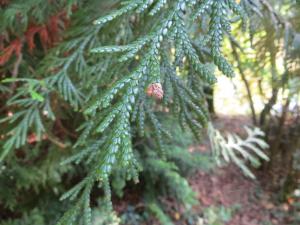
pixel 243 76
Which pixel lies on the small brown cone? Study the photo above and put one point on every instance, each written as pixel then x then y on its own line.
pixel 155 90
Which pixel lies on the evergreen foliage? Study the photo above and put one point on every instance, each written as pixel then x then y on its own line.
pixel 107 69
pixel 239 151
pixel 114 107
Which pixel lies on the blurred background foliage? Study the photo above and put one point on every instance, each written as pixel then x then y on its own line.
pixel 267 62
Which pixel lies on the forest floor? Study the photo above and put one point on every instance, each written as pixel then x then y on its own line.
pixel 249 201
pixel 227 186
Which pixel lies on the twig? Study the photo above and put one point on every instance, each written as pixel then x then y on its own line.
pixel 15 71
pixel 57 142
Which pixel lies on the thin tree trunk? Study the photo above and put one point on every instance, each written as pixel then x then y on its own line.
pixel 243 76
pixel 275 88
pixel 282 122
pixel 268 107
